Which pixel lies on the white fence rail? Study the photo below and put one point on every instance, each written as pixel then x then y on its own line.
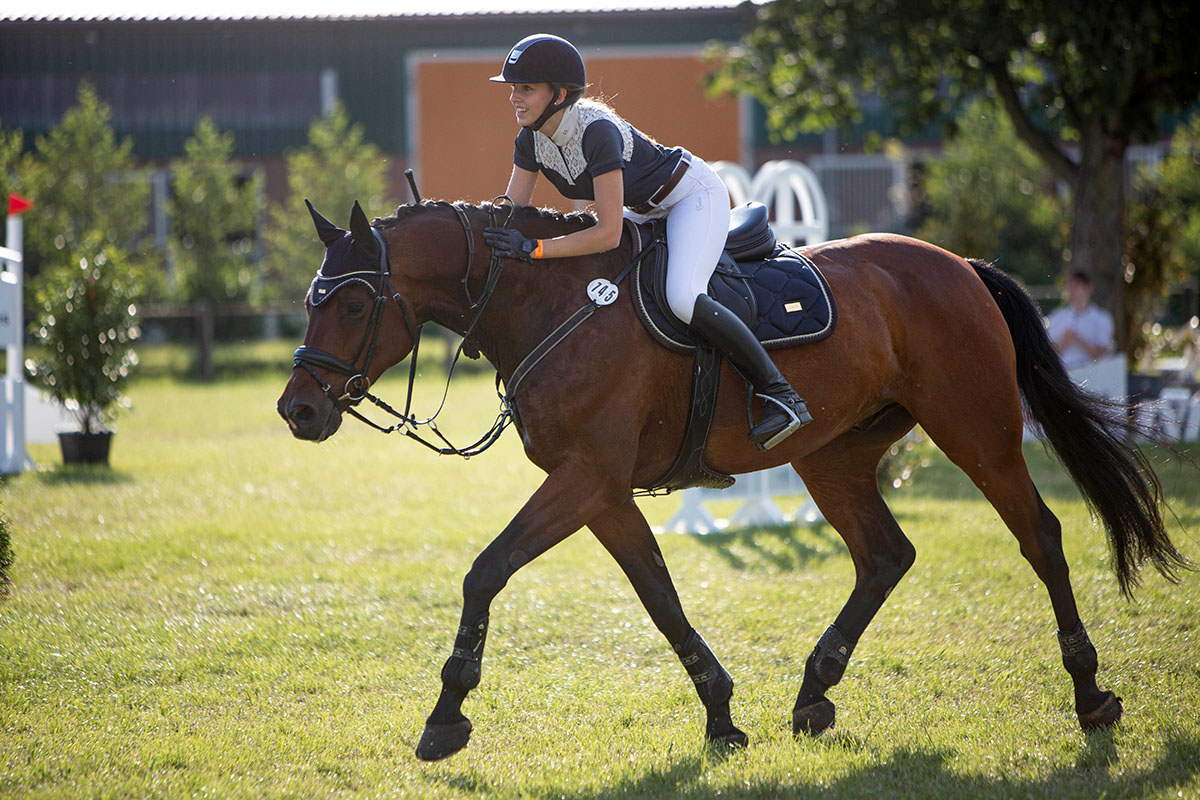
pixel 864 192
pixel 13 457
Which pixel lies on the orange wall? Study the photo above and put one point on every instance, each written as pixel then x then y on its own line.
pixel 465 125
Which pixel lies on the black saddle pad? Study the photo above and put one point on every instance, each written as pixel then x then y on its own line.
pixel 784 298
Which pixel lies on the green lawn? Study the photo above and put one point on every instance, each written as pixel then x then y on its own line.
pixel 228 612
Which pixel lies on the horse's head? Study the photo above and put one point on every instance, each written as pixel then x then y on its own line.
pixel 349 304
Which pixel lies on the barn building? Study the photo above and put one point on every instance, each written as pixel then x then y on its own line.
pixel 413 75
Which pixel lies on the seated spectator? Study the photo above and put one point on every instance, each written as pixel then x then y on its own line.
pixel 1081 331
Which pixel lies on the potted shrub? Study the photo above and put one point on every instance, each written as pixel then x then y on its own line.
pixel 86 324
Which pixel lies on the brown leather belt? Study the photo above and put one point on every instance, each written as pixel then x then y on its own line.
pixel 673 181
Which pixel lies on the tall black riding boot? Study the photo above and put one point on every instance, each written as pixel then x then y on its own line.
pixel 784 411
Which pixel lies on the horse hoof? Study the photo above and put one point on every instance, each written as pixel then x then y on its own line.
pixel 733 739
pixel 813 720
pixel 1105 715
pixel 439 741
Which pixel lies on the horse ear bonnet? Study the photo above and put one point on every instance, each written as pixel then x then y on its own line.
pixel 328 232
pixel 348 259
pixel 365 242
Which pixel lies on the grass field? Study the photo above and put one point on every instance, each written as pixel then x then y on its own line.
pixel 228 612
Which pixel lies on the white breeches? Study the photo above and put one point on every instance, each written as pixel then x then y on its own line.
pixel 697 212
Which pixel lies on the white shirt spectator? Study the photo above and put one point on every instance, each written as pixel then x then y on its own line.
pixel 1092 326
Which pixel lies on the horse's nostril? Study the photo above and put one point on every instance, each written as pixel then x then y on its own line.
pixel 303 412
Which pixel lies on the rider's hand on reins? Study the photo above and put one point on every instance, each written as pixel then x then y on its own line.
pixel 508 243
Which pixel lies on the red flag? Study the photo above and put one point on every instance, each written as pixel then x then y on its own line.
pixel 18 204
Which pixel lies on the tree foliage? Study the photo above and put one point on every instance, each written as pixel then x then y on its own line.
pixel 1151 260
pixel 988 196
pixel 336 168
pixel 212 220
pixel 1094 75
pixel 1179 179
pixel 84 185
pixel 1162 232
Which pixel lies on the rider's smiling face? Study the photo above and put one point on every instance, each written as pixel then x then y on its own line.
pixel 530 100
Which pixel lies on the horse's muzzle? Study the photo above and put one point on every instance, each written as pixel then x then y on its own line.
pixel 313 419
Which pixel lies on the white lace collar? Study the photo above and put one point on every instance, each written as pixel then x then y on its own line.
pixel 563 152
pixel 568 126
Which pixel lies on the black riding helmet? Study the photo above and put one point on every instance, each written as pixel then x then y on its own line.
pixel 545 58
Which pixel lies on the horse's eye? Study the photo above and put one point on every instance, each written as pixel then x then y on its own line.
pixel 354 309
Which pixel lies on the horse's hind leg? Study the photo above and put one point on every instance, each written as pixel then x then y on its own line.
pixel 991 456
pixel 1039 533
pixel 841 480
pixel 624 533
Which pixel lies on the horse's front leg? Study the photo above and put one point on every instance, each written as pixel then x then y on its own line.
pixel 570 496
pixel 625 534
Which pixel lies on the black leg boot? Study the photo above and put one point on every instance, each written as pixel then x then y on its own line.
pixel 784 411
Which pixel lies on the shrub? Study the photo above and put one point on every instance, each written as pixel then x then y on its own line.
pixel 87 323
pixel 6 555
pixel 989 197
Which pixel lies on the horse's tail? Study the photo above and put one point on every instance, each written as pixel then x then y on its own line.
pixel 1091 436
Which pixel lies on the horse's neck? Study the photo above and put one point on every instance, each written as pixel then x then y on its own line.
pixel 529 300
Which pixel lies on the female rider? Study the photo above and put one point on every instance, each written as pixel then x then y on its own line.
pixel 590 153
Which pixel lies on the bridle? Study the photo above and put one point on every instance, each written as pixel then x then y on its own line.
pixel 379 283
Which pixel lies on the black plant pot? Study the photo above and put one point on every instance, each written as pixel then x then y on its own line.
pixel 85 448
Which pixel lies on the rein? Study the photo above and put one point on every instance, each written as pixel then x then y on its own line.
pixel 357 386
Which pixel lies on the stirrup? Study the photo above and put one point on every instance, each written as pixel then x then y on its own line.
pixel 798 417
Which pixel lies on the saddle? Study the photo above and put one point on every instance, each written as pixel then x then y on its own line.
pixel 777 291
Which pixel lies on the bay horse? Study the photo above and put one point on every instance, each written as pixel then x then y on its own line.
pixel 924 337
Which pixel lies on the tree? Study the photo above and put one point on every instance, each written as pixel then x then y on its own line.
pixel 1179 178
pixel 212 227
pixel 988 197
pixel 1162 232
pixel 82 182
pixel 1152 261
pixel 336 168
pixel 1068 71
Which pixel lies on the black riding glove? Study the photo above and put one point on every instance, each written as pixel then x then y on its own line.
pixel 508 243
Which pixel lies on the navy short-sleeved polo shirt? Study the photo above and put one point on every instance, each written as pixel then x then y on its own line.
pixel 590 141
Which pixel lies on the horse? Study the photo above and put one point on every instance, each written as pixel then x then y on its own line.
pixel 924 337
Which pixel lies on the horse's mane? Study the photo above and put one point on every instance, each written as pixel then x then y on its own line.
pixel 577 219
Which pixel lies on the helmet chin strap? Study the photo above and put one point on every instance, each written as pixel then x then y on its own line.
pixel 552 109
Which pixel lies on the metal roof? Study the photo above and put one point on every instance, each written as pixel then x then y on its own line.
pixel 147 10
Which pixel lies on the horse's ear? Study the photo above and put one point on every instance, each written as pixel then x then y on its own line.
pixel 360 229
pixel 328 232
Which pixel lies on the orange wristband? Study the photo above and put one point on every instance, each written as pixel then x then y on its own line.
pixel 537 251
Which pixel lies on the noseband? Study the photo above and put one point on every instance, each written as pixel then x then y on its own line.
pixel 357 388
